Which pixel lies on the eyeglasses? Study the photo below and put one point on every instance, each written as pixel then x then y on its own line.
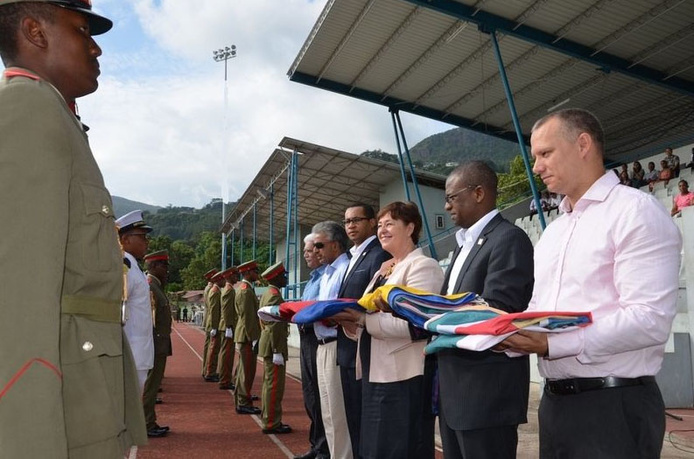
pixel 354 220
pixel 318 245
pixel 450 198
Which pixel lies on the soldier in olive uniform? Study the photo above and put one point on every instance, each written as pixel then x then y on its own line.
pixel 68 386
pixel 205 298
pixel 157 264
pixel 228 323
pixel 273 349
pixel 246 337
pixel 215 315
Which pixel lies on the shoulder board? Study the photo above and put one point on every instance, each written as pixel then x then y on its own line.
pixel 244 286
pixel 274 291
pixel 16 72
pixel 126 262
pixel 215 288
pixel 149 280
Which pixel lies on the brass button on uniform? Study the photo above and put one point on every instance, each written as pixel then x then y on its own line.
pixel 105 210
pixel 87 346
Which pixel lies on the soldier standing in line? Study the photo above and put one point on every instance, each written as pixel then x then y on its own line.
pixel 246 337
pixel 157 264
pixel 228 323
pixel 61 267
pixel 273 349
pixel 214 314
pixel 205 298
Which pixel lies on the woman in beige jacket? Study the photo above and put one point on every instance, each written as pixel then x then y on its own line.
pixel 397 420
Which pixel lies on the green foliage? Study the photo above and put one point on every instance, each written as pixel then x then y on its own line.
pixel 514 185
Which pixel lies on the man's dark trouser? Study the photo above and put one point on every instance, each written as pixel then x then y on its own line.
pixel 309 386
pixel 619 423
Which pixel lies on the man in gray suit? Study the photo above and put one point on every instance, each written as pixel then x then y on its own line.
pixel 484 395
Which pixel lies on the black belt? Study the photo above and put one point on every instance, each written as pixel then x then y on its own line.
pixel 578 385
pixel 327 340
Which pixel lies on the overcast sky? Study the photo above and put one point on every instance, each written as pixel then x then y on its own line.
pixel 157 119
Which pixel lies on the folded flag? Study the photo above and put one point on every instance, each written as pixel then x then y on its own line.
pixel 319 310
pixel 282 312
pixel 418 306
pixel 479 328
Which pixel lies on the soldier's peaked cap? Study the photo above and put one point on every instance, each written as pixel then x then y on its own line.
pixel 248 266
pixel 132 220
pixel 208 275
pixel 97 23
pixel 160 255
pixel 273 271
pixel 229 272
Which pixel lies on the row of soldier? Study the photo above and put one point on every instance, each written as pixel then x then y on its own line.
pixel 232 324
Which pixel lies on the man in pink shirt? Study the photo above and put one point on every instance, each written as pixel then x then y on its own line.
pixel 601 255
pixel 684 199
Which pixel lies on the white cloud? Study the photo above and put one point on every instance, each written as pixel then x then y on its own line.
pixel 158 117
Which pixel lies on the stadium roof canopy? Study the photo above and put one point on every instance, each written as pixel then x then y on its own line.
pixel 631 62
pixel 328 182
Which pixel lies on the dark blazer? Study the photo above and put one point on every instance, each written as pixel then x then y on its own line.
pixel 487 389
pixel 353 286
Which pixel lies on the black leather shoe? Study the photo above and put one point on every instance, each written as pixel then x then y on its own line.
pixel 155 433
pixel 281 429
pixel 254 397
pixel 158 401
pixel 247 409
pixel 212 378
pixel 227 387
pixel 164 428
pixel 310 454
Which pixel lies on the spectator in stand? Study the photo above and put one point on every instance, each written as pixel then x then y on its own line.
pixel 664 176
pixel 673 162
pixel 637 175
pixel 685 198
pixel 544 202
pixel 624 176
pixel 554 200
pixel 652 174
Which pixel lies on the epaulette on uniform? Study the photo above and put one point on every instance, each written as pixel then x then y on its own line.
pixel 274 291
pixel 244 286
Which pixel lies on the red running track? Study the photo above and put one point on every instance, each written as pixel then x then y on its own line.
pixel 203 420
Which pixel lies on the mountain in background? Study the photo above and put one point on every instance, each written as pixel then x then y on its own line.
pixel 122 206
pixel 441 152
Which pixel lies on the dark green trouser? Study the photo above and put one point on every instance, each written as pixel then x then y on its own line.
pixel 245 373
pixel 204 352
pixel 273 392
pixel 149 398
pixel 226 361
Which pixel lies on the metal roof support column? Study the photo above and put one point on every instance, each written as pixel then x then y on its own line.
pixel 432 248
pixel 400 161
pixel 516 125
pixel 271 259
pixel 255 226
pixel 233 232
pixel 241 242
pixel 292 221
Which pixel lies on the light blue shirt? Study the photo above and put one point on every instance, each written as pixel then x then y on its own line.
pixel 312 287
pixel 330 283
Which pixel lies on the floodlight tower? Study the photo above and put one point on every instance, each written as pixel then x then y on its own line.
pixel 219 55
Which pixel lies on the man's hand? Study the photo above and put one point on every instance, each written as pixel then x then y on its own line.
pixel 277 359
pixel 525 342
pixel 349 315
pixel 228 333
pixel 213 333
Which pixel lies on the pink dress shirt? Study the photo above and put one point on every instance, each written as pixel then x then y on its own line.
pixel 604 256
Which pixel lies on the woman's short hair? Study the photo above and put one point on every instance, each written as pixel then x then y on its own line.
pixel 406 212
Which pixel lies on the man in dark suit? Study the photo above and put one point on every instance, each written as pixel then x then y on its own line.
pixel 366 259
pixel 484 395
